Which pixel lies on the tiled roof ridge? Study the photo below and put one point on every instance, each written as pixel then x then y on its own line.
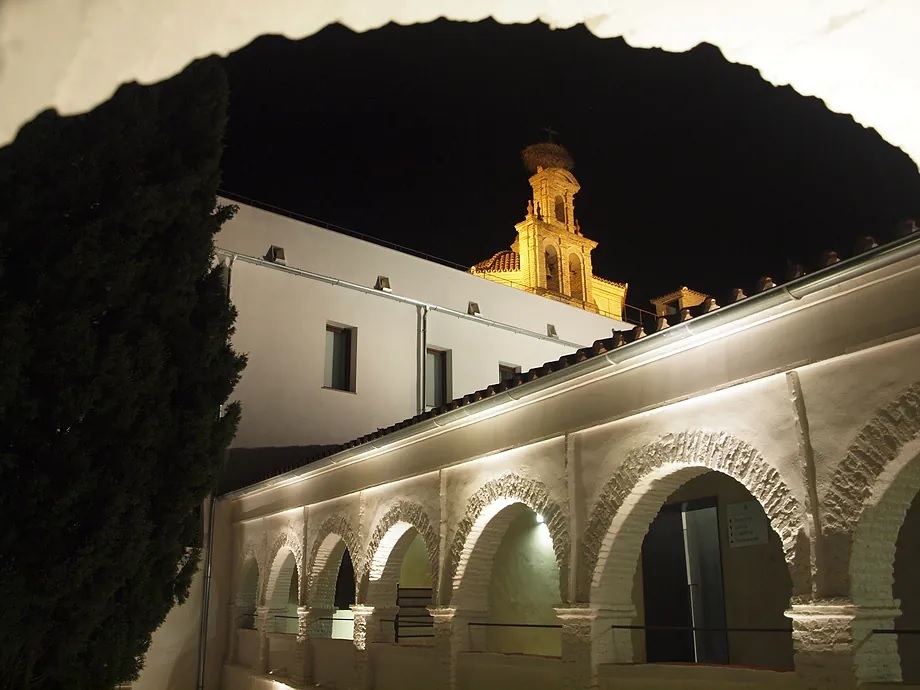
pixel 500 262
pixel 598 348
pixel 611 282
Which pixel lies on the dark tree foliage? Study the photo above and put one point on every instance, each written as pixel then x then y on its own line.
pixel 114 362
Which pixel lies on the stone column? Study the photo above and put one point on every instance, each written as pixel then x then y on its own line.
pixel 453 636
pixel 835 646
pixel 302 673
pixel 588 639
pixel 367 632
pixel 262 614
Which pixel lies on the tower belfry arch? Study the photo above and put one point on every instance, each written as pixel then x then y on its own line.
pixel 551 256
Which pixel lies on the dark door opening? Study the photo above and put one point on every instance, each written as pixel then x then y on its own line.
pixel 682 582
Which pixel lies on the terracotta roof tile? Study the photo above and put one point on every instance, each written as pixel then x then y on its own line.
pixel 505 260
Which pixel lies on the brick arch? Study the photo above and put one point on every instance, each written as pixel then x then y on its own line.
pixel 388 543
pixel 285 559
pixel 477 528
pixel 633 497
pixel 247 597
pixel 334 536
pixel 867 501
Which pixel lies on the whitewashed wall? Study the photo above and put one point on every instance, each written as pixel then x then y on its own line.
pixel 282 321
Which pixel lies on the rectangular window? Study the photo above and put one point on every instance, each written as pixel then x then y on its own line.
pixel 506 372
pixel 437 379
pixel 340 358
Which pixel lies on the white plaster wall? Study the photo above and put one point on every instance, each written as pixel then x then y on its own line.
pixel 378 501
pixel 690 677
pixel 847 392
pixel 172 660
pixel 341 256
pixel 541 462
pixel 282 321
pixel 760 413
pixel 247 642
pixel 392 661
pixel 333 662
pixel 415 571
pixel 907 589
pixel 524 588
pixel 485 671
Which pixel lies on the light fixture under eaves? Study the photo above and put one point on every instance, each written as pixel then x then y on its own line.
pixel 551 331
pixel 275 254
pixel 473 309
pixel 383 283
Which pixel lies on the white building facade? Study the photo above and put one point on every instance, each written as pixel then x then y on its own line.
pixel 781 434
pixel 416 333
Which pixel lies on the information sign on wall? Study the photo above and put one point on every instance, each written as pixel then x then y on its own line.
pixel 747 524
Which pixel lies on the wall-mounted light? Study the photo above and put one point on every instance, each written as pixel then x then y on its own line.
pixel 473 309
pixel 383 283
pixel 539 518
pixel 275 254
pixel 551 331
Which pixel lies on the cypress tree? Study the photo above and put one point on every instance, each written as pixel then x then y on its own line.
pixel 114 364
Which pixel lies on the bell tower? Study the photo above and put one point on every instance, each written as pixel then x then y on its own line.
pixel 550 256
pixel 555 256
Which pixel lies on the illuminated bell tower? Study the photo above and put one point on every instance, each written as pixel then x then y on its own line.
pixel 555 256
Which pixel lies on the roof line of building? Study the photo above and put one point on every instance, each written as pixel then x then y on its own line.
pixel 326 225
pixel 604 353
pixel 303 273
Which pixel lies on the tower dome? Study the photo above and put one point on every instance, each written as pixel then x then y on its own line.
pixel 546 155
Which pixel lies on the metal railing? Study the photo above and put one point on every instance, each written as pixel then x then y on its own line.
pixel 398 625
pixel 515 625
pixel 694 628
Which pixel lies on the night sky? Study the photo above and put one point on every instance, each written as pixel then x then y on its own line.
pixel 694 171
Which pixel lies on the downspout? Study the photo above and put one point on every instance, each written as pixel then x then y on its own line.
pixel 422 354
pixel 206 585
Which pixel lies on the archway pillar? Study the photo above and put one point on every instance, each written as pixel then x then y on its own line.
pixel 590 639
pixel 262 618
pixel 836 648
pixel 367 631
pixel 454 636
pixel 302 673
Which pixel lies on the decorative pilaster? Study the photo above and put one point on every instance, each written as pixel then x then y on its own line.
pixel 262 613
pixel 588 639
pixel 366 633
pixel 302 673
pixel 836 648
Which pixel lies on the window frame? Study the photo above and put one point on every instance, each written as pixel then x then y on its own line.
pixel 444 369
pixel 350 357
pixel 512 369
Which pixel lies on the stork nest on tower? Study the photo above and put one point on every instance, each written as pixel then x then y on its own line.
pixel 546 155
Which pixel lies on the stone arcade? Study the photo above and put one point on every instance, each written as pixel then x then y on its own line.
pixel 804 398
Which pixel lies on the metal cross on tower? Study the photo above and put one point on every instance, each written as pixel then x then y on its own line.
pixel 549 133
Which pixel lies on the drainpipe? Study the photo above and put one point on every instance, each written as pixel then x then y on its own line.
pixel 422 354
pixel 208 560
